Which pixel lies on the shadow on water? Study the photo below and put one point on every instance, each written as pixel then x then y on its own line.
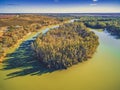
pixel 115 35
pixel 24 59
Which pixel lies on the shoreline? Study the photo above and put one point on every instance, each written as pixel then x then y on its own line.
pixel 30 34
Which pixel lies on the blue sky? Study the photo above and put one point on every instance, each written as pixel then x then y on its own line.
pixel 59 6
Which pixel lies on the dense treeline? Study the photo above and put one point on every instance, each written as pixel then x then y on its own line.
pixel 66 45
pixel 114 30
pixel 24 20
pixel 96 25
pixel 111 24
pixel 18 27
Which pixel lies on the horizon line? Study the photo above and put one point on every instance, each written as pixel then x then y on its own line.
pixel 61 12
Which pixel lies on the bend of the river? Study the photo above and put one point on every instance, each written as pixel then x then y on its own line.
pixel 102 72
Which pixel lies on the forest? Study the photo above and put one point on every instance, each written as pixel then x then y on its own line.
pixel 111 24
pixel 66 45
pixel 14 28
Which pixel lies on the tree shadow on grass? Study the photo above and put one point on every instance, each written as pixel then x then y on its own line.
pixel 24 59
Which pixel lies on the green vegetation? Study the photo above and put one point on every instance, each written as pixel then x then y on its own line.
pixel 96 25
pixel 66 45
pixel 1 51
pixel 18 27
pixel 25 20
pixel 111 24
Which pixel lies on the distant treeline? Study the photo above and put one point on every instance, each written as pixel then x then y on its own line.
pixel 66 45
pixel 111 24
pixel 24 20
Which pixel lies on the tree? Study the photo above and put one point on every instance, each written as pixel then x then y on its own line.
pixel 64 46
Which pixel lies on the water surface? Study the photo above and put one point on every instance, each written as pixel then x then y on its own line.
pixel 102 72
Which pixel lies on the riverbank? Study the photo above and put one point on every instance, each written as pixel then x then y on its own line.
pixel 101 72
pixel 13 48
pixel 65 46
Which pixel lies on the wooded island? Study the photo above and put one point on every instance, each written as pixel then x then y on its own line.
pixel 66 45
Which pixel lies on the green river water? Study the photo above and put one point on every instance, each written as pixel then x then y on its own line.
pixel 21 72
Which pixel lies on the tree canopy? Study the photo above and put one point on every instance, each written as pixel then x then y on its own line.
pixel 109 23
pixel 66 45
pixel 18 27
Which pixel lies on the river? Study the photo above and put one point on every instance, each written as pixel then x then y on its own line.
pixel 102 72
